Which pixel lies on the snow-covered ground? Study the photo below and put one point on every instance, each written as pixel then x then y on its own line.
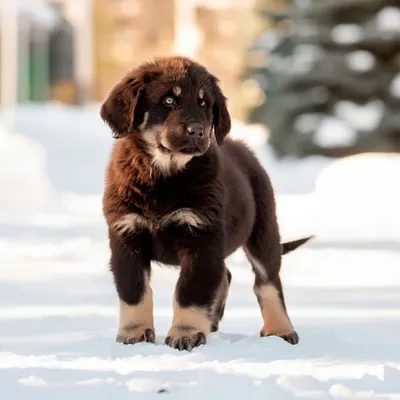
pixel 58 308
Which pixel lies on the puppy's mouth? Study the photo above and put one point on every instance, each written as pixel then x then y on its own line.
pixel 192 150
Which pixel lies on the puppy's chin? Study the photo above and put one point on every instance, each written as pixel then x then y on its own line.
pixel 193 151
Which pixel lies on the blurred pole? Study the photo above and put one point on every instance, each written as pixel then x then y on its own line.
pixel 24 61
pixel 85 54
pixel 9 60
pixel 187 36
pixel 80 14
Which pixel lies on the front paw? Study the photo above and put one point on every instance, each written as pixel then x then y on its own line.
pixel 136 335
pixel 185 338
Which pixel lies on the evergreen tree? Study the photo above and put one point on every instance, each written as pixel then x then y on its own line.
pixel 332 84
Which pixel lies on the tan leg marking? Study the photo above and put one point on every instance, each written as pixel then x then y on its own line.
pixel 258 267
pixel 136 323
pixel 219 304
pixel 190 328
pixel 276 320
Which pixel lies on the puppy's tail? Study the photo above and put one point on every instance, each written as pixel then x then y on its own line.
pixel 290 246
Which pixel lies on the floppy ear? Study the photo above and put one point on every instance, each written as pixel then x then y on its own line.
pixel 222 119
pixel 118 108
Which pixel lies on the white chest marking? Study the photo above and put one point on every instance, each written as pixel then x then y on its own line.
pixel 169 163
pixel 183 216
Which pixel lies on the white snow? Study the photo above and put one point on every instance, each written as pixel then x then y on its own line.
pixel 395 86
pixel 347 33
pixel 304 58
pixel 256 134
pixel 388 19
pixel 32 381
pixel 361 116
pixel 306 123
pixel 360 61
pixel 333 132
pixel 23 175
pixel 59 310
pixel 360 191
pixel 267 40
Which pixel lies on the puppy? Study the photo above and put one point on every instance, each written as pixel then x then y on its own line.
pixel 179 193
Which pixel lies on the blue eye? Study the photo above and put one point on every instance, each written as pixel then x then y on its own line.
pixel 169 101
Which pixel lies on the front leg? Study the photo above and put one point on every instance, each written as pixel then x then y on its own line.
pixel 130 264
pixel 218 307
pixel 202 271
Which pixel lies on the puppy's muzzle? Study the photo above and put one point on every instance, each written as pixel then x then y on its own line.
pixel 196 140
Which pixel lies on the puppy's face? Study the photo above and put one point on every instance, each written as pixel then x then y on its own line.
pixel 172 106
pixel 177 116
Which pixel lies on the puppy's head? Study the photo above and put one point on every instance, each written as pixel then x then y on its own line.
pixel 171 105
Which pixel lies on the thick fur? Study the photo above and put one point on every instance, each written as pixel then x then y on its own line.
pixel 178 192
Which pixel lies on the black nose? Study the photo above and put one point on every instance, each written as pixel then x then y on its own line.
pixel 195 129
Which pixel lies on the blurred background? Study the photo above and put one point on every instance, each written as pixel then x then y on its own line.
pixel 313 87
pixel 303 68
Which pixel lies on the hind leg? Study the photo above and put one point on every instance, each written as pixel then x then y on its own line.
pixel 268 289
pixel 264 251
pixel 218 308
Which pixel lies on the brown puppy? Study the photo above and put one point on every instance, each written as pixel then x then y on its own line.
pixel 178 193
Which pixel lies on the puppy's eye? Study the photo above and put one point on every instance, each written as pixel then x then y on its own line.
pixel 169 101
pixel 202 103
